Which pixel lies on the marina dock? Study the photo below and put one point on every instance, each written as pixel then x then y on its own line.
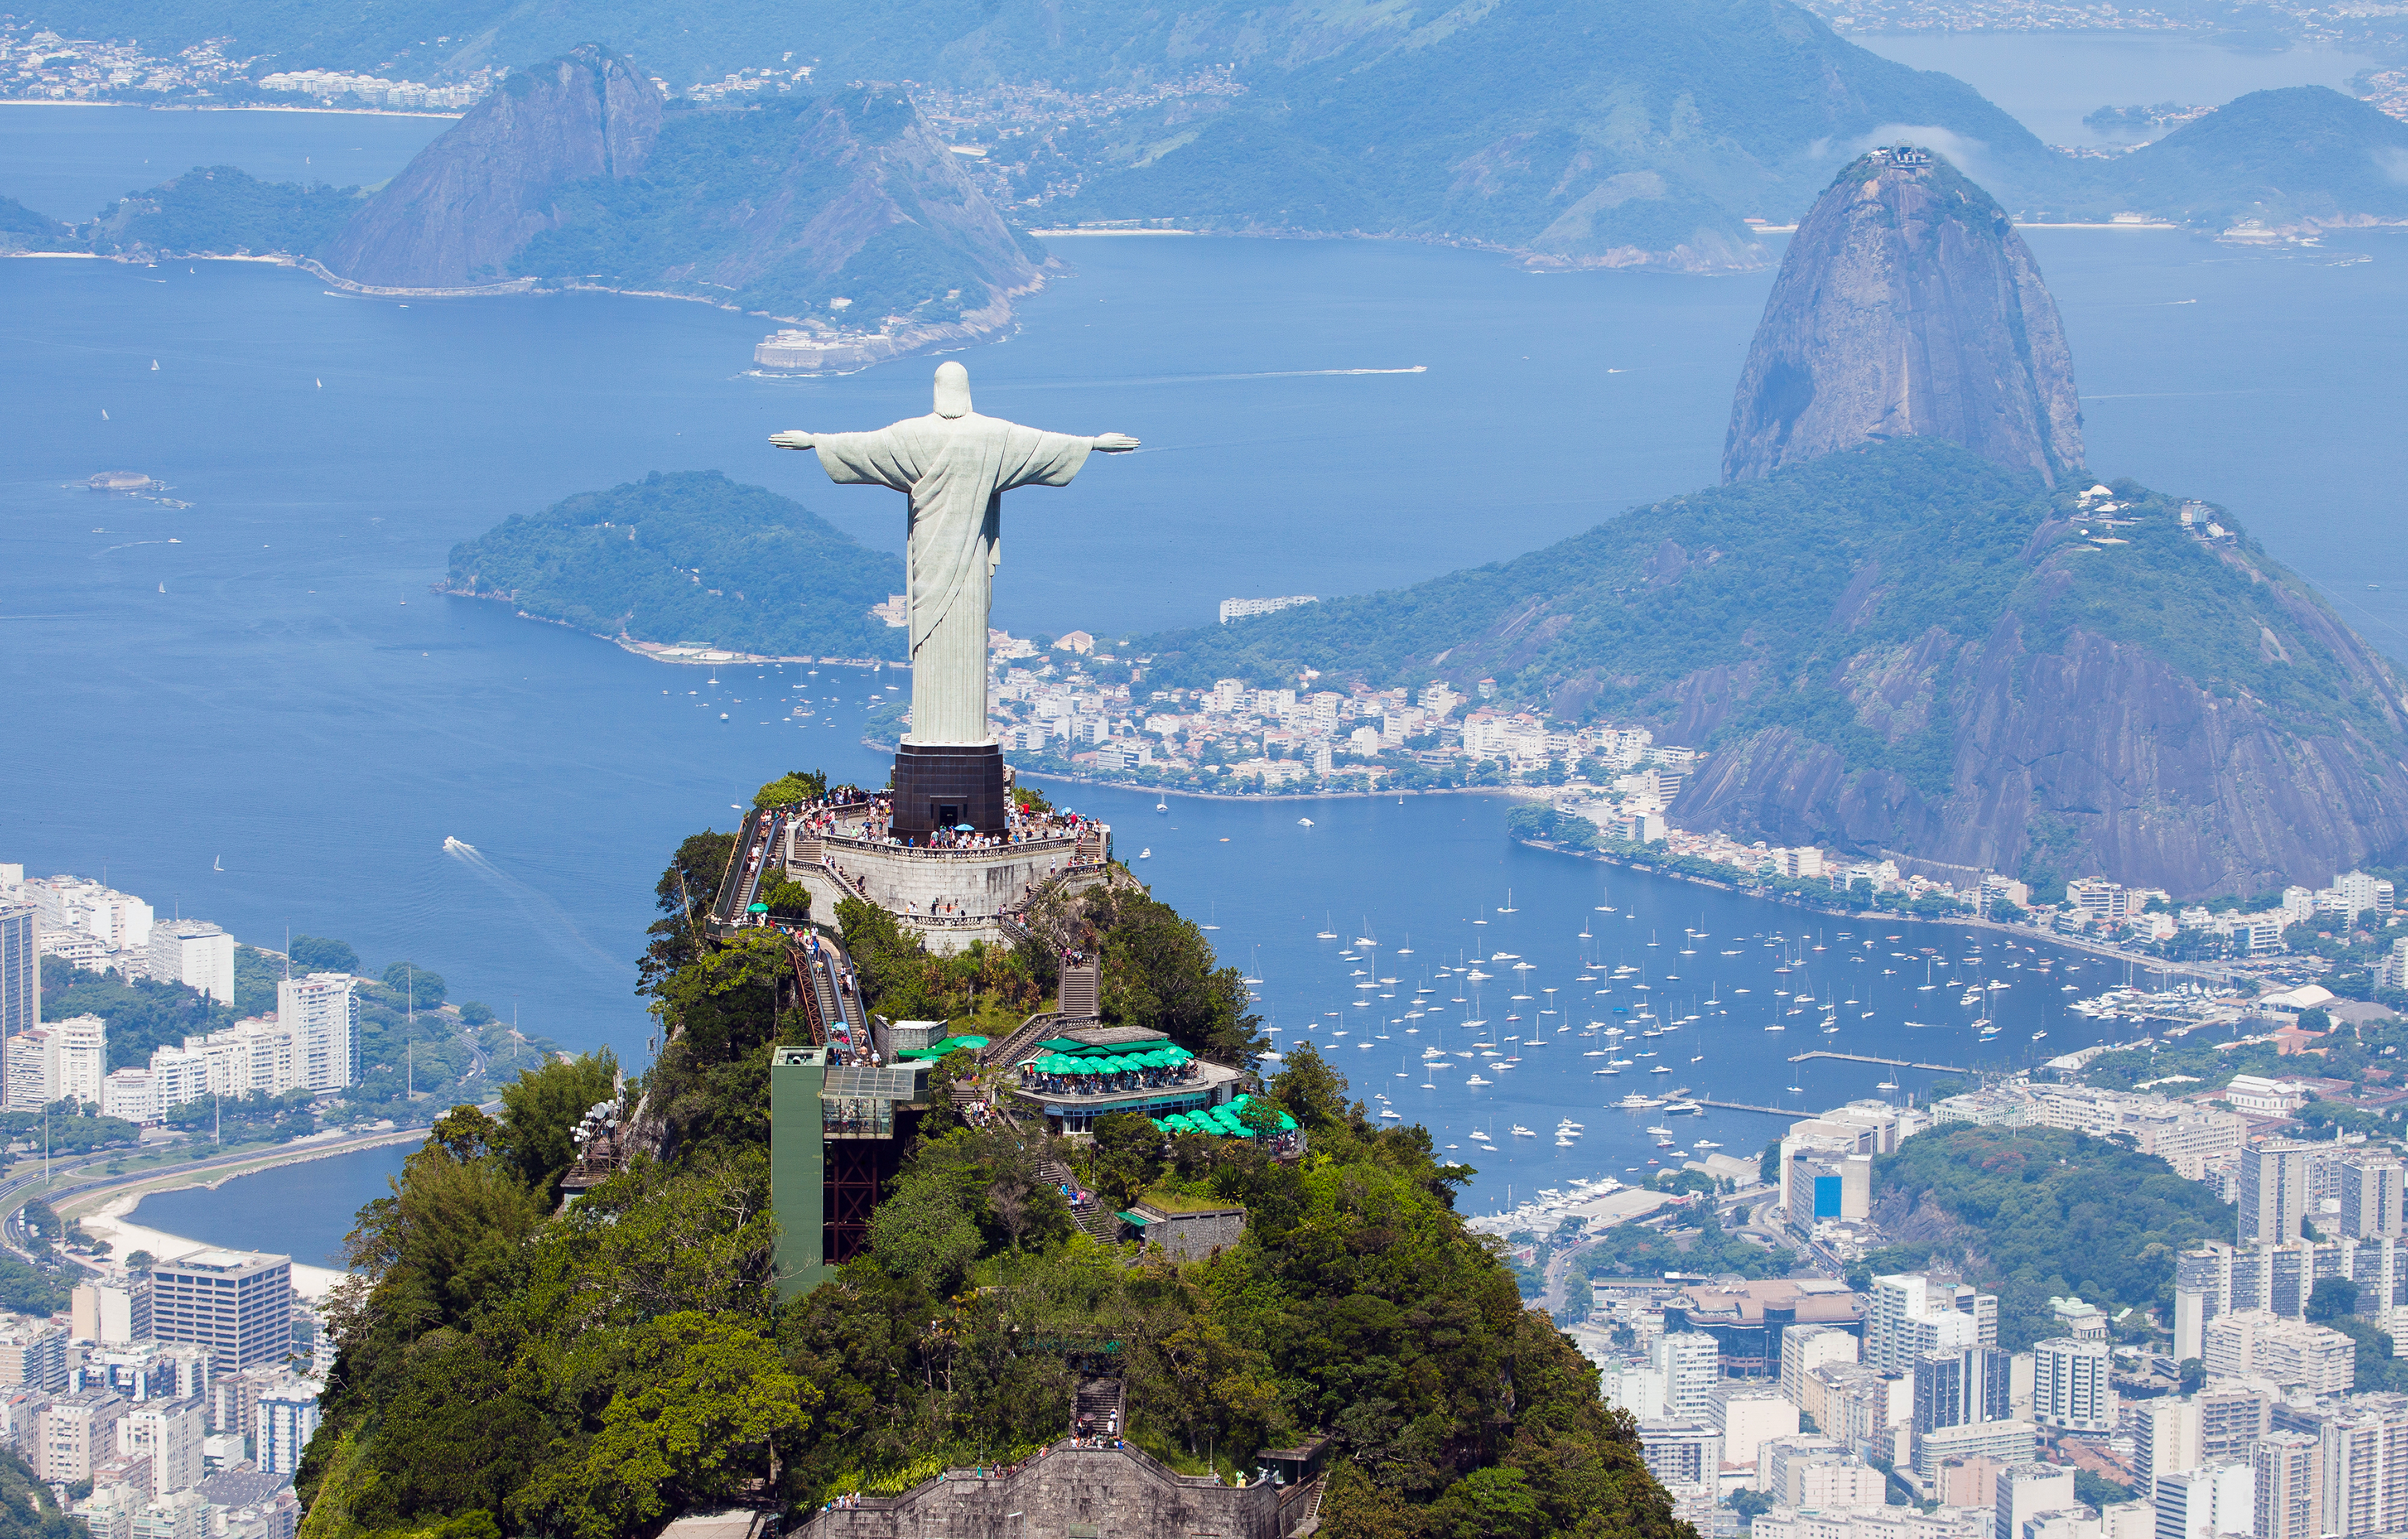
pixel 1893 1063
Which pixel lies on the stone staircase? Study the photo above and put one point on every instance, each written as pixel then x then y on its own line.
pixel 1081 991
pixel 1096 1218
pixel 1015 1047
pixel 1096 1408
pixel 1301 1516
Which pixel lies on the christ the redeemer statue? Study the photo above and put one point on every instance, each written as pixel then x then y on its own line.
pixel 956 465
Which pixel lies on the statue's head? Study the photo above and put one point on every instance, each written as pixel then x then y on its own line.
pixel 952 391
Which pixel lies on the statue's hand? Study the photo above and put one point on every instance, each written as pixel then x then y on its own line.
pixel 792 439
pixel 1114 443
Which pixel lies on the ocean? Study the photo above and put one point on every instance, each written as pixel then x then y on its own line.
pixel 263 679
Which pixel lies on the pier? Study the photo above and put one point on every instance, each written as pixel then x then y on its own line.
pixel 1743 1106
pixel 1893 1063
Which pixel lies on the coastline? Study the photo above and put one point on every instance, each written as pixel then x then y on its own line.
pixel 1521 793
pixel 668 652
pixel 105 1212
pixel 2155 964
pixel 231 107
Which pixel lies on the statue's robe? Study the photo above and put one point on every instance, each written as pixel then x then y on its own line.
pixel 955 471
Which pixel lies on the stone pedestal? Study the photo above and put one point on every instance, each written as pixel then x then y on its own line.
pixel 941 785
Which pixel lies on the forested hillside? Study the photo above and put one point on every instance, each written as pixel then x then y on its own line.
pixel 1906 648
pixel 2302 152
pixel 2036 1212
pixel 690 556
pixel 593 1373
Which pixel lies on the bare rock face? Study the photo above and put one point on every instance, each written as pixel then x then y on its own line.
pixel 470 200
pixel 1906 307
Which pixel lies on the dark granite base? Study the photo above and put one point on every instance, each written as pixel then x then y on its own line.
pixel 942 786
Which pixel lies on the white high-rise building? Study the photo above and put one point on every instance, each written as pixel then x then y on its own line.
pixel 195 953
pixel 170 1432
pixel 2370 1195
pixel 1913 1314
pixel 2070 1385
pixel 2165 1437
pixel 1746 1411
pixel 1636 1387
pixel 1691 1363
pixel 83 1057
pixel 2273 1192
pixel 117 923
pixel 2364 1460
pixel 131 1095
pixel 2359 893
pixel 251 1054
pixel 2218 1497
pixel 2291 1486
pixel 2027 1490
pixel 2254 1343
pixel 57 1061
pixel 323 1013
pixel 288 1418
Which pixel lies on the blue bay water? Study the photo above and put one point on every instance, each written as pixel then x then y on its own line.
pixel 302 1211
pixel 296 702
pixel 71 161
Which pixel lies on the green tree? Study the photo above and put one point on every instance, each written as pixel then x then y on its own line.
pixel 787 899
pixel 1312 1092
pixel 2331 1299
pixel 316 954
pixel 1158 973
pixel 699 1411
pixel 541 1111
pixel 1128 1155
pixel 1491 1504
pixel 423 989
pixel 793 787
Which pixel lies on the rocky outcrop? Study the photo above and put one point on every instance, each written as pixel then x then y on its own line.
pixel 2092 754
pixel 465 207
pixel 1906 307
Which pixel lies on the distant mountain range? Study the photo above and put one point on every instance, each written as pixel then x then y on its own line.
pixel 1616 132
pixel 840 206
pixel 1572 131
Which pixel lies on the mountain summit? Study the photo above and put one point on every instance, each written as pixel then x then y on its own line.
pixel 1907 306
pixel 466 204
pixel 842 209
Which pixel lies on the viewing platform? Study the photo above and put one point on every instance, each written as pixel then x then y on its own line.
pixel 1094 1071
pixel 950 893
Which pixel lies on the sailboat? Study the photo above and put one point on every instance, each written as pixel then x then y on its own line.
pixel 217 864
pixel 1161 806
